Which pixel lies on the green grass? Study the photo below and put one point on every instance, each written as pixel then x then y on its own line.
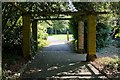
pixel 61 36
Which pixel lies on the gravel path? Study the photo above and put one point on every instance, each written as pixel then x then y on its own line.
pixel 56 45
pixel 58 61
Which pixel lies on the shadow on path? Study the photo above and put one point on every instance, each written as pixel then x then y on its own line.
pixel 58 61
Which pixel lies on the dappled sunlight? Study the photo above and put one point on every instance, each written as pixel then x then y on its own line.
pixel 57 47
pixel 52 68
pixel 82 28
pixel 71 64
pixel 60 70
pixel 34 70
pixel 81 69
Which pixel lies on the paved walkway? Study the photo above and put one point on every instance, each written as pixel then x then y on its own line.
pixel 58 61
pixel 56 45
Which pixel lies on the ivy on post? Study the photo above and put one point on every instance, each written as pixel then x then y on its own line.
pixel 34 33
pixel 91 38
pixel 81 37
pixel 26 37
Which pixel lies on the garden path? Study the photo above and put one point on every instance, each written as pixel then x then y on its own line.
pixel 57 60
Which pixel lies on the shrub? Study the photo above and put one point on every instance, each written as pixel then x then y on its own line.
pixel 74 28
pixel 12 41
pixel 103 35
pixel 42 38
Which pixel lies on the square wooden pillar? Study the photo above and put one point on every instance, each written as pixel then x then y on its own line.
pixel 91 38
pixel 26 37
pixel 81 37
pixel 34 33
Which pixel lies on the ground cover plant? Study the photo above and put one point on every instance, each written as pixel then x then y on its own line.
pixel 109 66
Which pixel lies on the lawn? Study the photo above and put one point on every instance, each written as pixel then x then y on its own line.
pixel 61 36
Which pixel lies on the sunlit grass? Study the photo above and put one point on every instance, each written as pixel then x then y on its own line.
pixel 61 36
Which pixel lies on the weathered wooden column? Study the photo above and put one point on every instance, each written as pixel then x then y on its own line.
pixel 34 33
pixel 81 37
pixel 1 41
pixel 26 37
pixel 67 35
pixel 91 38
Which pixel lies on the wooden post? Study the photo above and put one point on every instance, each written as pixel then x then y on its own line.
pixel 26 37
pixel 91 38
pixel 34 33
pixel 0 42
pixel 81 37
pixel 67 35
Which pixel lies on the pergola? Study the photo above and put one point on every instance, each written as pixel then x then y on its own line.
pixel 91 35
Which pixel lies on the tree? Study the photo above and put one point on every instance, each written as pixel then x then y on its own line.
pixel 12 20
pixel 60 25
pixel 102 21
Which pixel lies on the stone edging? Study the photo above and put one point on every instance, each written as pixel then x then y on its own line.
pixel 100 71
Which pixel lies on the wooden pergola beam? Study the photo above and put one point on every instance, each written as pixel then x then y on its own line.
pixel 54 19
pixel 67 13
pixel 54 13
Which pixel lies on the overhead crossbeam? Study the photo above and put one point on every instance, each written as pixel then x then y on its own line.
pixel 67 13
pixel 54 19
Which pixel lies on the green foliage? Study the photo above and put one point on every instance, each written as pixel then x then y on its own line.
pixel 42 35
pixel 74 27
pixel 58 26
pixel 42 31
pixel 116 32
pixel 12 41
pixel 12 23
pixel 103 35
pixel 42 43
pixel 11 30
pixel 115 7
pixel 4 75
